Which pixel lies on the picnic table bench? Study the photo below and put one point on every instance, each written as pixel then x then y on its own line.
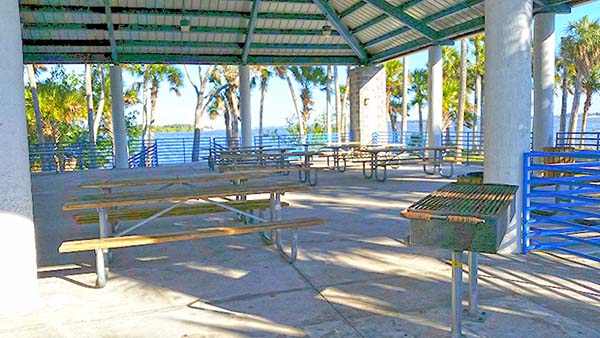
pixel 396 155
pixel 217 197
pixel 339 153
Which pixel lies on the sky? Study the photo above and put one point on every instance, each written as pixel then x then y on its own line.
pixel 173 109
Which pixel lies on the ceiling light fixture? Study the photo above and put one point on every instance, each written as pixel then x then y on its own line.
pixel 185 25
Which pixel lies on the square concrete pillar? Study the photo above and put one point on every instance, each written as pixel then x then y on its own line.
pixel 367 103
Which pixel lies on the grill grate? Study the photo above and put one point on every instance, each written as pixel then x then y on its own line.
pixel 467 199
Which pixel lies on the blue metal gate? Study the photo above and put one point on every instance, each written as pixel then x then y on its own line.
pixel 561 202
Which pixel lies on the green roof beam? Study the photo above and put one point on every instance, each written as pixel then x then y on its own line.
pixel 379 18
pixel 342 29
pixel 397 51
pixel 250 30
pixel 408 20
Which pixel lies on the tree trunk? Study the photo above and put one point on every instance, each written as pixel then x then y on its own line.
pixel 343 105
pixel 462 98
pixel 586 108
pixel 233 110
pixel 153 97
pixel 90 103
pixel 294 99
pixel 575 106
pixel 263 93
pixel 420 120
pixel 338 104
pixel 36 103
pixel 565 96
pixel 328 103
pixel 227 119
pixel 145 96
pixel 197 129
pixel 404 126
pixel 476 109
pixel 101 101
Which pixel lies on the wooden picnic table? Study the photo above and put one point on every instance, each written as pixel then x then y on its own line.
pixel 436 159
pixel 335 148
pixel 215 195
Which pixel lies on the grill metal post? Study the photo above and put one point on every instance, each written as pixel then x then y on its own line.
pixel 456 294
pixel 473 288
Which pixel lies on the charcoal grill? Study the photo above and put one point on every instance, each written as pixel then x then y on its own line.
pixel 463 217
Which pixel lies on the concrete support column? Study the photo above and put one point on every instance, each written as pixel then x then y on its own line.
pixel 118 113
pixel 544 48
pixel 18 284
pixel 435 92
pixel 507 117
pixel 245 110
pixel 367 103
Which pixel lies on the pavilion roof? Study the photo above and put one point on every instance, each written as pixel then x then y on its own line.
pixel 246 32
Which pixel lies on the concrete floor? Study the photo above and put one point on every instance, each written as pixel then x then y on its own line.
pixel 354 277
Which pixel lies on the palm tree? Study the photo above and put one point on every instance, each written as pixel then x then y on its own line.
pixel 583 47
pixel 418 86
pixel 308 77
pixel 328 102
pixel 339 104
pixel 393 92
pixel 158 73
pixel 563 76
pixel 345 89
pixel 283 72
pixel 262 75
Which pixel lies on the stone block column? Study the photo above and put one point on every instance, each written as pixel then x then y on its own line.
pixel 18 283
pixel 507 117
pixel 367 103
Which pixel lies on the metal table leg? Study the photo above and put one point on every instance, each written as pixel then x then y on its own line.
pixel 104 230
pixel 291 258
pixel 100 269
pixel 456 314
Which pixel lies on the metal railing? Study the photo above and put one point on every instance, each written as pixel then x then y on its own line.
pixel 586 140
pixel 471 145
pixel 147 156
pixel 560 202
pixel 70 156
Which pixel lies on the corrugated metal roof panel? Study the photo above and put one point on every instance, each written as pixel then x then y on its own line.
pixel 307 39
pixel 455 19
pixel 394 42
pixel 381 28
pixel 286 7
pixel 362 15
pixel 290 24
pixel 429 7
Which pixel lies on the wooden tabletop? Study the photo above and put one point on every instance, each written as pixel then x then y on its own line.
pixel 137 182
pixel 390 147
pixel 176 195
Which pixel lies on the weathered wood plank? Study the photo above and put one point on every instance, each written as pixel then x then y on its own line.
pixel 137 240
pixel 172 195
pixel 167 180
pixel 184 210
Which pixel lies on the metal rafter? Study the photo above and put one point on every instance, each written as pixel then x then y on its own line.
pixel 111 32
pixel 342 29
pixel 250 30
pixel 408 20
